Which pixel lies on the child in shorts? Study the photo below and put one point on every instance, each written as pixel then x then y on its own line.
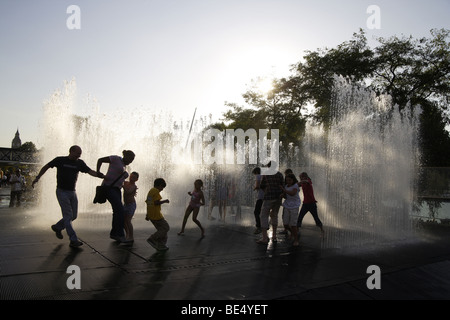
pixel 197 200
pixel 158 240
pixel 129 204
pixel 291 207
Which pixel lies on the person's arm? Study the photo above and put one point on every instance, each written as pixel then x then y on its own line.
pixel 100 161
pixel 40 174
pixel 304 182
pixel 155 202
pixel 158 202
pixel 291 192
pixel 96 174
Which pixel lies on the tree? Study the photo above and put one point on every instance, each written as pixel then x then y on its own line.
pixel 434 138
pixel 410 70
pixel 281 108
pixel 28 147
pixel 352 59
pixel 414 72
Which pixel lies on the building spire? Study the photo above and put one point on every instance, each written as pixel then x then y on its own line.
pixel 16 142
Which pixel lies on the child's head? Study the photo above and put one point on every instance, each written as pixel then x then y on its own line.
pixel 303 176
pixel 159 184
pixel 291 179
pixel 198 184
pixel 134 176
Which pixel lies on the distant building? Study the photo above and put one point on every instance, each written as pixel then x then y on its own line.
pixel 16 142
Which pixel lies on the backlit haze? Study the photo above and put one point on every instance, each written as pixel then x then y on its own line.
pixel 173 56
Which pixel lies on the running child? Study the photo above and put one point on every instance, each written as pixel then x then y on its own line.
pixel 197 200
pixel 309 202
pixel 129 204
pixel 158 240
pixel 291 206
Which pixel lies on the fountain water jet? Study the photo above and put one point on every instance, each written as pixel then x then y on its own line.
pixel 363 167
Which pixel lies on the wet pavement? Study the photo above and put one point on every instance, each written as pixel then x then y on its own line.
pixel 226 265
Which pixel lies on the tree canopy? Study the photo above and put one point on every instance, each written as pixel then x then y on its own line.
pixel 28 147
pixel 414 72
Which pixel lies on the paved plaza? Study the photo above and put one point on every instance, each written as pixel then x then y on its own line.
pixel 227 265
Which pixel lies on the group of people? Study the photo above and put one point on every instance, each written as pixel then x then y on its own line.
pixel 18 184
pixel 68 168
pixel 272 189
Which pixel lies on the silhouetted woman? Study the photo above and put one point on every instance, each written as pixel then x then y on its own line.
pixel 114 178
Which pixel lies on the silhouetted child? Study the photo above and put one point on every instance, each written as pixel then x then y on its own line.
pixel 259 199
pixel 291 206
pixel 286 230
pixel 129 201
pixel 309 202
pixel 157 240
pixel 197 200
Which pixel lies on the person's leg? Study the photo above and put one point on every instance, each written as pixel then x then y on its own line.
pixel 224 204
pixel 285 217
pixel 131 214
pixel 19 197
pixel 162 228
pixel 187 213
pixel 294 231
pixel 293 216
pixel 194 218
pixel 275 208
pixel 219 205
pixel 315 215
pixel 129 210
pixel 68 202
pixel 12 198
pixel 74 205
pixel 257 213
pixel 303 211
pixel 114 196
pixel 265 212
pixel 127 226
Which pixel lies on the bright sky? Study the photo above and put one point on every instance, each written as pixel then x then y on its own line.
pixel 173 55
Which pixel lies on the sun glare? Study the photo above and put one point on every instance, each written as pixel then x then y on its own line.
pixel 241 69
pixel 264 85
pixel 255 67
